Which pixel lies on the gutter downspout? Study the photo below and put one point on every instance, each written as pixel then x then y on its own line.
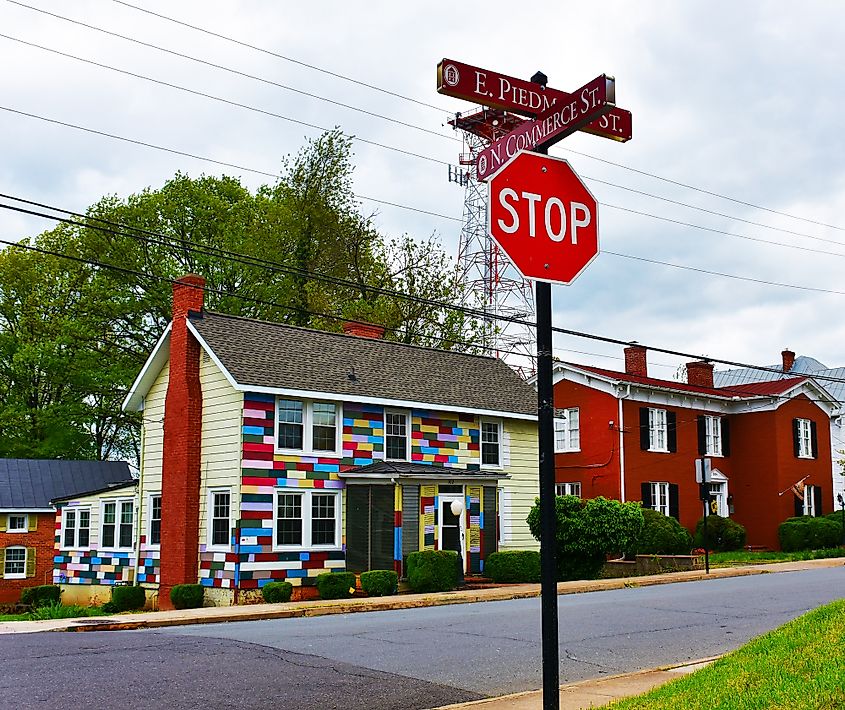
pixel 622 445
pixel 140 507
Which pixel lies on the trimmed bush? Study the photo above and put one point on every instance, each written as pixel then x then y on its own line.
pixel 433 570
pixel 57 610
pixel 808 533
pixel 513 566
pixel 336 585
pixel 41 596
pixel 662 535
pixel 723 534
pixel 127 598
pixel 186 596
pixel 379 582
pixel 277 592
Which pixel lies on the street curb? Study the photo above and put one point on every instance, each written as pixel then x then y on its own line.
pixel 256 612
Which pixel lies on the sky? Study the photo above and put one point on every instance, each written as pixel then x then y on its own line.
pixel 737 100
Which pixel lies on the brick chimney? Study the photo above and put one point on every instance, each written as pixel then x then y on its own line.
pixel 700 373
pixel 363 330
pixel 635 360
pixel 788 359
pixel 180 473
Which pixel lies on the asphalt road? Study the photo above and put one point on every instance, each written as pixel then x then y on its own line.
pixel 407 659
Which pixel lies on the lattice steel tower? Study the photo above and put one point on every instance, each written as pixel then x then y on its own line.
pixel 491 282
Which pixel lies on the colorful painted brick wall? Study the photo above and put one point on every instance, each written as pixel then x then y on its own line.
pixel 444 440
pixel 148 563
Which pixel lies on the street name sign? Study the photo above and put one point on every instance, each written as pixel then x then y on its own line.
pixel 543 217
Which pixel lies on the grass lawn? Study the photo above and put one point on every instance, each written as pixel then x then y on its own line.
pixel 800 666
pixel 14 617
pixel 741 557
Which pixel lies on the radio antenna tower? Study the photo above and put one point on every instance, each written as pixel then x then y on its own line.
pixel 491 283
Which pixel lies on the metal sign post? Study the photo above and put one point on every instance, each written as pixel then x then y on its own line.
pixel 704 474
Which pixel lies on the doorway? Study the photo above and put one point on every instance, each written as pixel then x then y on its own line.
pixel 452 528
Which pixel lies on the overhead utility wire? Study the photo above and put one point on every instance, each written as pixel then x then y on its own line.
pixel 220 99
pixel 230 70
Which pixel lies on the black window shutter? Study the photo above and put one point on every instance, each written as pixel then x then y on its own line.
pixel 817 500
pixel 702 435
pixel 645 491
pixel 799 504
pixel 726 436
pixel 673 502
pixel 672 431
pixel 644 439
pixel 814 440
pixel 795 448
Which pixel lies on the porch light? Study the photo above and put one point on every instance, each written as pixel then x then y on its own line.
pixel 457 506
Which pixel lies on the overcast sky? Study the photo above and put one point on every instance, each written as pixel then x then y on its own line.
pixel 738 99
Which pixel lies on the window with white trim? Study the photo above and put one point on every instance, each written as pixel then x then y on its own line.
pixel 17 523
pixel 810 501
pixel 308 426
pixel 219 518
pixel 657 430
pixel 307 519
pixel 76 528
pixel 154 532
pixel 660 496
pixel 568 489
pixel 567 430
pixel 712 436
pixel 116 524
pixel 805 439
pixel 396 443
pixel 15 563
pixel 491 443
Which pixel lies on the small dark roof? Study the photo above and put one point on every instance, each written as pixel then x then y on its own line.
pixel 413 469
pixel 262 354
pixel 33 483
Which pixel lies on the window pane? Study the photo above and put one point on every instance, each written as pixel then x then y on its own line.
pixel 560 434
pixel 396 431
pixel 290 411
pixel 220 532
pixel 325 438
pixel 70 528
pixel 155 520
pixel 322 519
pixel 109 513
pixel 221 505
pixel 126 511
pixel 290 424
pixel 220 518
pixel 324 413
pixel 15 561
pixel 289 519
pixel 490 443
pixel 125 535
pixel 108 536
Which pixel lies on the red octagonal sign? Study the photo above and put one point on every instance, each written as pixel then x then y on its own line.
pixel 543 217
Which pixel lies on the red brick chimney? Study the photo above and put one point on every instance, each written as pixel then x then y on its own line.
pixel 363 330
pixel 788 359
pixel 180 472
pixel 700 373
pixel 635 360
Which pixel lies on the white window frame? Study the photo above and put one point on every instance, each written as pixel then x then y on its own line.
pixel 14 575
pixel 308 428
pixel 571 488
pixel 307 495
pixel 499 436
pixel 810 500
pixel 660 496
pixel 118 514
pixel 805 439
pixel 209 521
pixel 407 416
pixel 150 544
pixel 24 529
pixel 712 435
pixel 76 527
pixel 571 439
pixel 658 428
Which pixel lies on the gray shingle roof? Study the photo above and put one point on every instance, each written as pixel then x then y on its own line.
pixel 33 483
pixel 263 354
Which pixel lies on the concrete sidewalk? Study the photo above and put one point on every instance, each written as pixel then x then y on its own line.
pixel 213 615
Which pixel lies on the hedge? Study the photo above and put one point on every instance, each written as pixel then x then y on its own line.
pixel 379 582
pixel 336 585
pixel 513 566
pixel 662 535
pixel 186 596
pixel 128 598
pixel 41 596
pixel 808 533
pixel 723 534
pixel 433 570
pixel 277 592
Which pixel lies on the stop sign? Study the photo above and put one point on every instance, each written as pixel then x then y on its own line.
pixel 543 217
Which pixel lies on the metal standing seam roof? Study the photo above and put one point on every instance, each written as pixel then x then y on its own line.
pixel 33 483
pixel 272 355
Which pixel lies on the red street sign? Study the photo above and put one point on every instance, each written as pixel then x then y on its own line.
pixel 489 88
pixel 590 101
pixel 543 217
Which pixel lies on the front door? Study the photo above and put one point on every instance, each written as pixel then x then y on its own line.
pixel 452 532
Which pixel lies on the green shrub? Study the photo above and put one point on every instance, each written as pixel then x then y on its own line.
pixel 513 566
pixel 662 535
pixel 336 585
pixel 41 596
pixel 186 596
pixel 128 598
pixel 433 570
pixel 379 582
pixel 56 610
pixel 277 592
pixel 808 533
pixel 723 534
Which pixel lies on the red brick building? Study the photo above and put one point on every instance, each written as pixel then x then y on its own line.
pixel 632 437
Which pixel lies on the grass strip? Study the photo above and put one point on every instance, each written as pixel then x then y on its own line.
pixel 741 557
